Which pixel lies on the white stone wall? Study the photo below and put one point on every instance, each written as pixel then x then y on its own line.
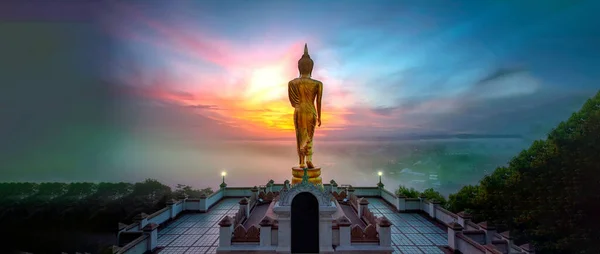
pixel 425 207
pixel 192 205
pixel 367 191
pixel 336 237
pixel 138 246
pixel 238 192
pixel 160 217
pixel 413 205
pixel 214 198
pixel 178 207
pixel 389 197
pixel 444 216
pixel 466 247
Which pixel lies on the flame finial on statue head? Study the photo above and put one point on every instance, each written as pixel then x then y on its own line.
pixel 305 64
pixel 306 50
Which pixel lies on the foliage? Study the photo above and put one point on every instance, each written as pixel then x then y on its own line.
pixel 409 193
pixel 464 199
pixel 94 208
pixel 431 194
pixel 188 191
pixel 548 194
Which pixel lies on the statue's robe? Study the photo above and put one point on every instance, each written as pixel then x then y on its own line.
pixel 302 94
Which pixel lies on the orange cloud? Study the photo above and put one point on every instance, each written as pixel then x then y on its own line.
pixel 251 92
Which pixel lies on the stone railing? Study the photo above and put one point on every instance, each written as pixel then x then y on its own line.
pixel 240 234
pixel 388 196
pixel 139 245
pixel 354 202
pixel 467 245
pixel 354 238
pixel 367 216
pixel 367 191
pixel 266 197
pixel 445 216
pixel 213 199
pixel 369 234
pixel 339 196
pixel 253 197
pixel 239 217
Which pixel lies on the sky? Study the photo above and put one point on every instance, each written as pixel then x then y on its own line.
pixel 388 67
pixel 82 79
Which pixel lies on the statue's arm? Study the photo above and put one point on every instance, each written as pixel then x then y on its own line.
pixel 319 97
pixel 292 94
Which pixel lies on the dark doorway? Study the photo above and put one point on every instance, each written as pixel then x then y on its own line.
pixel 305 223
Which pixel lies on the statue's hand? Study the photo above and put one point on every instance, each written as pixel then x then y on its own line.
pixel 319 122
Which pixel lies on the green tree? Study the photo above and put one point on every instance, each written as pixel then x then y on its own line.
pixel 407 192
pixel 191 192
pixel 548 193
pixel 431 194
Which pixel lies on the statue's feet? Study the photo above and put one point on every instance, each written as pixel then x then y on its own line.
pixel 302 166
pixel 310 165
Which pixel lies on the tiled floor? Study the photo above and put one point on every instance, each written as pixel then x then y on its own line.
pixel 411 233
pixel 199 233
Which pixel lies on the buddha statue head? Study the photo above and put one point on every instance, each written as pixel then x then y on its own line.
pixel 305 64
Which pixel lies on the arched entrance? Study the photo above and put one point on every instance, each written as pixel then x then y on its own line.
pixel 305 223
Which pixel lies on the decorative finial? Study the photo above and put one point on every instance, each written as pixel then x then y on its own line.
pixel 306 49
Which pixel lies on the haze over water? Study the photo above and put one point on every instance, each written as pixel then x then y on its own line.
pixel 441 164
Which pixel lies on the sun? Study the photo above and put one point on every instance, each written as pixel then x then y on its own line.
pixel 266 84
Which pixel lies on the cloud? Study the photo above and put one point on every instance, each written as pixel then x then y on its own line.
pixel 201 106
pixel 505 101
pixel 499 74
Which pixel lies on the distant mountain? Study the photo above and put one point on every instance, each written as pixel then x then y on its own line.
pixel 450 136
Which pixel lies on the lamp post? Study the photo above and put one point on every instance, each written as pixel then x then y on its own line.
pixel 380 184
pixel 223 184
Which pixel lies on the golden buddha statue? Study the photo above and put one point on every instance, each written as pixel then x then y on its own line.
pixel 302 92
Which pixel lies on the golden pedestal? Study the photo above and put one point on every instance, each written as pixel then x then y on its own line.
pixel 314 175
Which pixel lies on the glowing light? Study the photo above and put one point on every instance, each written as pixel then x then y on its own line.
pixel 223 173
pixel 380 173
pixel 266 84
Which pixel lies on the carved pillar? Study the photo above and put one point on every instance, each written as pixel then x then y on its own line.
pixel 325 228
pixel 244 206
pixel 202 204
pixel 265 231
pixel 490 231
pixel 350 191
pixel 284 233
pixel 225 231
pixel 270 186
pixel 362 204
pixel 152 231
pixel 433 205
pixel 171 206
pixel 254 191
pixel 286 185
pixel 142 219
pixel 463 218
pixel 334 186
pixel 344 224
pixel 401 202
pixel 453 229
pixel 385 232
